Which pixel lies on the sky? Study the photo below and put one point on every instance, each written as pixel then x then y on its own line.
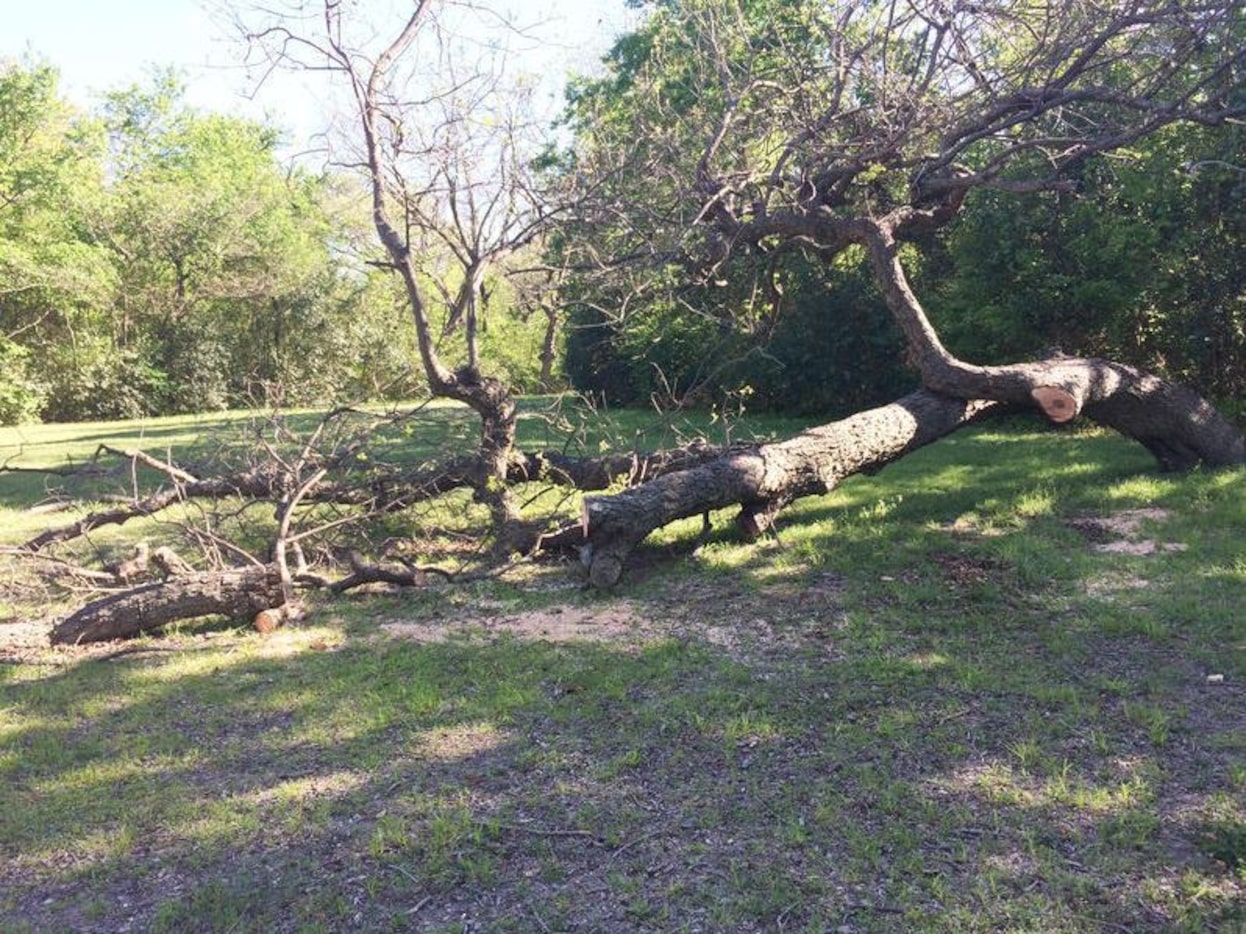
pixel 99 46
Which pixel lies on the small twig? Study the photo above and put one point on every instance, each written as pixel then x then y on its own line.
pixel 781 921
pixel 132 650
pixel 549 832
pixel 85 470
pixel 637 841
pixel 420 904
pixel 70 567
pixel 285 513
pixel 397 868
pixel 170 470
pixel 881 909
pixel 539 919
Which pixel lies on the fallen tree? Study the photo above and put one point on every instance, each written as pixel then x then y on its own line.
pixel 767 477
pixel 843 133
pixel 832 132
pixel 372 490
pixel 293 482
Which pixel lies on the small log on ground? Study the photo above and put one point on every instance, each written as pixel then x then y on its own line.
pixel 763 479
pixel 238 593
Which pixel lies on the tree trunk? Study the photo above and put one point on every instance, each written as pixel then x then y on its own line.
pixel 1179 427
pixel 498 424
pixel 765 478
pixel 241 594
pixel 549 348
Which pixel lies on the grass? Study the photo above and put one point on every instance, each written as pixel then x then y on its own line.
pixel 934 703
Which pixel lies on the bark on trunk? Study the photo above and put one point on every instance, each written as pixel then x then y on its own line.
pixel 239 594
pixel 1174 423
pixel 765 478
pixel 549 349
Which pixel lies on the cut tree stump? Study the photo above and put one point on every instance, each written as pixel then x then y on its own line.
pixel 1057 404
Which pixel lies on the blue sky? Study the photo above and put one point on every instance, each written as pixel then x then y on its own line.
pixel 98 46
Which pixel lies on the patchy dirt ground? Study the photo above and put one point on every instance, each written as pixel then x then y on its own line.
pixel 704 754
pixel 1119 533
pixel 618 622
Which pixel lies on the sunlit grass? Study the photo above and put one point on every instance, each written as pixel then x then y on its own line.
pixel 928 703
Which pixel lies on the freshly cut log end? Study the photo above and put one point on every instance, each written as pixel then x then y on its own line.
pixel 1058 404
pixel 267 620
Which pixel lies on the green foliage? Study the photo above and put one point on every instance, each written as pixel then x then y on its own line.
pixel 21 395
pixel 655 355
pixel 829 347
pixel 54 283
pixel 155 259
pixel 1141 264
pixel 95 380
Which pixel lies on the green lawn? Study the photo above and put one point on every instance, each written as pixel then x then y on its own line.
pixel 1000 686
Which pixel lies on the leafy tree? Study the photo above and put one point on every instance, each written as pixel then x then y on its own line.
pixel 1137 264
pixel 53 282
pixel 764 130
pixel 221 252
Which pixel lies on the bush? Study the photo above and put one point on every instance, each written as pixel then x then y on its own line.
pixel 833 349
pixel 21 395
pixel 97 382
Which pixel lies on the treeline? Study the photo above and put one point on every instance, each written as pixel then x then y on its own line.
pixel 155 259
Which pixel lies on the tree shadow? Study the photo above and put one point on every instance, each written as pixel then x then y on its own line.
pixel 650 785
pixel 935 741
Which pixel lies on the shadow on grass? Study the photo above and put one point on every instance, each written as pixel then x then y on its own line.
pixel 893 720
pixel 941 784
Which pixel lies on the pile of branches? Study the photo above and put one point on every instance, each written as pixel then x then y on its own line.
pixel 326 500
pixel 322 498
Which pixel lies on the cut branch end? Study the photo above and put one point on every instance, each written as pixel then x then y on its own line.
pixel 1058 404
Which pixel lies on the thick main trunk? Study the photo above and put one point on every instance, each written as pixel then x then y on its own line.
pixel 498 424
pixel 239 594
pixel 764 478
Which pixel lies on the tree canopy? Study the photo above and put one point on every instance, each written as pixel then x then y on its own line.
pixel 749 142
